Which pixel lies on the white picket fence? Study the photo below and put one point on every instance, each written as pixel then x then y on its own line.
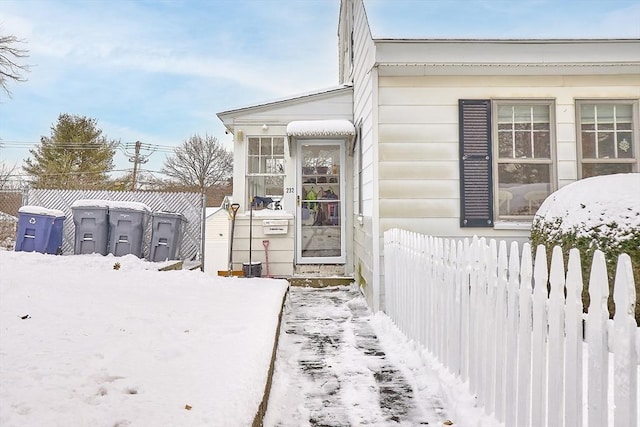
pixel 487 316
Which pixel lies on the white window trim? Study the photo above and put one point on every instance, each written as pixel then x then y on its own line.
pixel 249 175
pixel 520 221
pixel 635 128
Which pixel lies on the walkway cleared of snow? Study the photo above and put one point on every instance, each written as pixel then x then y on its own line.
pixel 340 365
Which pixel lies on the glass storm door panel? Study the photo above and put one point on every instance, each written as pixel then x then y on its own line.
pixel 320 208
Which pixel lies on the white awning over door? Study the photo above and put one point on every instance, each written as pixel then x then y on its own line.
pixel 321 128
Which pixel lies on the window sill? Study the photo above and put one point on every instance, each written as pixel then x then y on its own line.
pixel 512 225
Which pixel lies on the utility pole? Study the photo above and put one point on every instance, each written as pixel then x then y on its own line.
pixel 136 160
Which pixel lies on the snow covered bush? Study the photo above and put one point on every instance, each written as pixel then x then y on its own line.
pixel 601 212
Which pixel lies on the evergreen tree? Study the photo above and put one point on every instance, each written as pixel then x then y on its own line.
pixel 76 156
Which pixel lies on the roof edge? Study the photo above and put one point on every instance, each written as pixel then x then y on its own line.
pixel 507 41
pixel 298 97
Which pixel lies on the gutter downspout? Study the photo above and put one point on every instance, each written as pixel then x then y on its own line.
pixel 375 228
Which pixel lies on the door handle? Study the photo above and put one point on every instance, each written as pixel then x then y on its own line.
pixel 298 200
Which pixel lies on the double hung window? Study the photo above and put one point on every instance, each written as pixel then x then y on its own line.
pixel 607 137
pixel 265 167
pixel 523 153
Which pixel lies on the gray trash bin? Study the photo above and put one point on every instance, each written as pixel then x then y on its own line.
pixel 166 236
pixel 127 223
pixel 91 220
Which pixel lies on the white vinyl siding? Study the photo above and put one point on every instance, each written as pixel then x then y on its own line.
pixel 425 141
pixel 366 245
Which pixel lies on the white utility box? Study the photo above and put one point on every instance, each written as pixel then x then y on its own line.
pixel 275 226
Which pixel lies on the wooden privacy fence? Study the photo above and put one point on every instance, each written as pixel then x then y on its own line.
pixel 514 330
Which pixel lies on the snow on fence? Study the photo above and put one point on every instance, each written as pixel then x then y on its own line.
pixel 504 325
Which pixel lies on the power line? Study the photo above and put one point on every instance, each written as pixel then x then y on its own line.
pixel 25 175
pixel 89 145
pixel 51 174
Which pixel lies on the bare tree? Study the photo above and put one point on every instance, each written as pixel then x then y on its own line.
pixel 199 162
pixel 10 66
pixel 7 174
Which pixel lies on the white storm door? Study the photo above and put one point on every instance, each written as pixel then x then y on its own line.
pixel 320 208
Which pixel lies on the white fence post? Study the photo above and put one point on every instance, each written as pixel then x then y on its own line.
pixel 451 310
pixel 524 339
pixel 475 314
pixel 555 387
pixel 539 343
pixel 423 269
pixel 625 357
pixel 490 315
pixel 597 319
pixel 465 272
pixel 501 326
pixel 573 342
pixel 511 378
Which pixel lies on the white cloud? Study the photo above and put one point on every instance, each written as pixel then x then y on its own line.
pixel 74 38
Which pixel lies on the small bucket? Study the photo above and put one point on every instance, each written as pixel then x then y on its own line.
pixel 252 270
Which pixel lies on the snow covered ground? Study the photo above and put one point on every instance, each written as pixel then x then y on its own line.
pixel 84 344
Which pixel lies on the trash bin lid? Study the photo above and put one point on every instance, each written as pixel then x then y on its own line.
pixel 132 206
pixel 39 210
pixel 163 214
pixel 90 203
pixel 110 204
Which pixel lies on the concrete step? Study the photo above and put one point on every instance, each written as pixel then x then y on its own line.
pixel 319 270
pixel 319 282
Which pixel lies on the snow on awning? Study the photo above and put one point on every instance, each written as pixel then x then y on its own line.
pixel 322 128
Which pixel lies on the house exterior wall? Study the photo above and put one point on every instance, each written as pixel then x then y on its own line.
pixel 419 142
pixel 404 103
pixel 362 74
pixel 406 96
pixel 246 123
pixel 271 120
pixel 280 248
pixel 250 122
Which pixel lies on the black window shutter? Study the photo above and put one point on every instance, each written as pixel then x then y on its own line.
pixel 476 190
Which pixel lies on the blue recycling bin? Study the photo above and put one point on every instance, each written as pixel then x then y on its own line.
pixel 39 230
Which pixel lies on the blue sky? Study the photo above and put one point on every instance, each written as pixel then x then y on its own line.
pixel 159 71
